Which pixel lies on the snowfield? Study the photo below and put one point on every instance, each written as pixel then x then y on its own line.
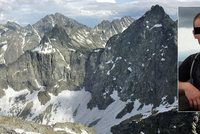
pixel 71 106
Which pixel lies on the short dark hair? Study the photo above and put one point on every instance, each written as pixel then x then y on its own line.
pixel 195 18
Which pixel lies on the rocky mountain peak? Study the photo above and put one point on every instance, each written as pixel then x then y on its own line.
pixel 12 25
pixel 157 8
pixel 47 23
pixel 151 41
pixel 154 19
pixel 60 18
pixel 104 23
pixel 59 15
pixel 156 12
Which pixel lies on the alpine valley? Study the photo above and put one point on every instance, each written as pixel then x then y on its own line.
pixel 118 77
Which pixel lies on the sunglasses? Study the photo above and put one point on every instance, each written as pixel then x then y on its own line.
pixel 196 30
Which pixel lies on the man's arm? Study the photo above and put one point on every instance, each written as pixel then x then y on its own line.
pixel 191 92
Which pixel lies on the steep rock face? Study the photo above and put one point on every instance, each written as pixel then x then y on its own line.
pixel 15 40
pixel 178 123
pixel 136 63
pixel 47 65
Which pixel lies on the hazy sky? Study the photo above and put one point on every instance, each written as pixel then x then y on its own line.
pixel 89 12
pixel 186 15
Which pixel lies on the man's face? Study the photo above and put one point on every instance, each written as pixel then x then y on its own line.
pixel 197 24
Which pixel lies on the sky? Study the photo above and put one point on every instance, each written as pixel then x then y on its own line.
pixel 186 15
pixel 88 12
pixel 186 43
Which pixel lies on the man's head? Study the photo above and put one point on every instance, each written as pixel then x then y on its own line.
pixel 196 26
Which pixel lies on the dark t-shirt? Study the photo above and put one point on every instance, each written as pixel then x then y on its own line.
pixel 184 75
pixel 184 70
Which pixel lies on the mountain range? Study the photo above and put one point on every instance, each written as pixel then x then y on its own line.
pixel 118 77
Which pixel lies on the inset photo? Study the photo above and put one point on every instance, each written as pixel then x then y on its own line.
pixel 189 58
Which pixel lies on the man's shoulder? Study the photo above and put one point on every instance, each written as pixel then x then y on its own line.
pixel 188 61
pixel 192 56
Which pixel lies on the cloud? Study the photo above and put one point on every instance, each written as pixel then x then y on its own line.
pixel 106 1
pixel 187 0
pixel 2 17
pixel 99 13
pixel 25 11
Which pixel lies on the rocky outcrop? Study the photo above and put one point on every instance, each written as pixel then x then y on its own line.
pixel 178 123
pixel 12 125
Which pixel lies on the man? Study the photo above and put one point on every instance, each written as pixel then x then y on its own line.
pixel 190 69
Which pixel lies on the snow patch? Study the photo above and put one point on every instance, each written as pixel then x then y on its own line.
pixel 8 105
pixel 118 58
pixel 53 39
pixel 142 64
pixel 65 129
pixel 96 50
pixel 162 59
pixel 35 31
pixel 108 62
pixel 68 67
pixel 130 69
pixel 4 42
pixel 23 40
pixel 80 38
pixel 83 131
pixel 109 48
pixel 156 26
pixel 44 49
pixel 52 21
pixel 88 41
pixel 115 31
pixel 164 46
pixel 61 55
pixel 165 106
pixel 4 47
pixel 56 86
pixel 114 95
pixel 108 73
pixel 21 131
pixel 72 50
